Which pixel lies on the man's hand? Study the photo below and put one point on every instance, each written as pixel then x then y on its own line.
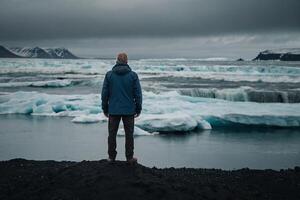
pixel 137 115
pixel 106 114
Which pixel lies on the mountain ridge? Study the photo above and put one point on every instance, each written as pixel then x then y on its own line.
pixel 5 53
pixel 36 52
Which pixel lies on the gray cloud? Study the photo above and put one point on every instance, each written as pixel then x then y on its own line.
pixel 58 19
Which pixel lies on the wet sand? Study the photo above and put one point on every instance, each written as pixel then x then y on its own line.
pixel 27 179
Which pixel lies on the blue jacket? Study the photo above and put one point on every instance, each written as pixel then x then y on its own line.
pixel 121 91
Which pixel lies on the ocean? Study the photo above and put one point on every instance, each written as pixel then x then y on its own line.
pixel 213 113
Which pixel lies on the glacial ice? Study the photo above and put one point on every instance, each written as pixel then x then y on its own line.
pixel 171 122
pixel 245 93
pixel 168 111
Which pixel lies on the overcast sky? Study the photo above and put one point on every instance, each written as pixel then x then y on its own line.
pixel 152 28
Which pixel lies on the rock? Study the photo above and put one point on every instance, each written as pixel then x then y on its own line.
pixel 290 57
pixel 281 54
pixel 28 179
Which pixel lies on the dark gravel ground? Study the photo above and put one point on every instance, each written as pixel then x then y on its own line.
pixel 26 179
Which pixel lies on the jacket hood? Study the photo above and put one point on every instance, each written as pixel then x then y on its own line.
pixel 121 69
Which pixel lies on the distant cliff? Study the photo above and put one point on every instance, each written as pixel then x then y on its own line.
pixel 36 52
pixel 281 54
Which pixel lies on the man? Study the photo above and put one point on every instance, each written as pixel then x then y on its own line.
pixel 121 99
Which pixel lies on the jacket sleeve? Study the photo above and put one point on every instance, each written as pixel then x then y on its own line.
pixel 138 97
pixel 105 94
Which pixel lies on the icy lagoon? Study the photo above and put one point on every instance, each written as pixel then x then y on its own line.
pixel 196 113
pixel 57 138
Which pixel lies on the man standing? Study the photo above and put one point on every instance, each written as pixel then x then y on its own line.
pixel 121 99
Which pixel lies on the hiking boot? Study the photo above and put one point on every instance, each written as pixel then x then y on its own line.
pixel 132 161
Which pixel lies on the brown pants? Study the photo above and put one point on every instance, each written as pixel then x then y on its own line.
pixel 113 126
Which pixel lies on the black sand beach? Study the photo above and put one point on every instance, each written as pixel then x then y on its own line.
pixel 27 179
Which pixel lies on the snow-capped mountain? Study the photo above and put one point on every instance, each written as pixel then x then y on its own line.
pixel 60 53
pixel 5 53
pixel 36 52
pixel 29 52
pixel 292 54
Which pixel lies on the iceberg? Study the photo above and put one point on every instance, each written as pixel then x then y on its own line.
pixel 171 122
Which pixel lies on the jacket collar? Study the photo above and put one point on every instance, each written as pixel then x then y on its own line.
pixel 121 68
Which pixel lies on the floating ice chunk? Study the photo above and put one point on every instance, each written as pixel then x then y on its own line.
pixel 92 118
pixel 42 108
pixel 59 107
pixel 137 131
pixel 167 122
